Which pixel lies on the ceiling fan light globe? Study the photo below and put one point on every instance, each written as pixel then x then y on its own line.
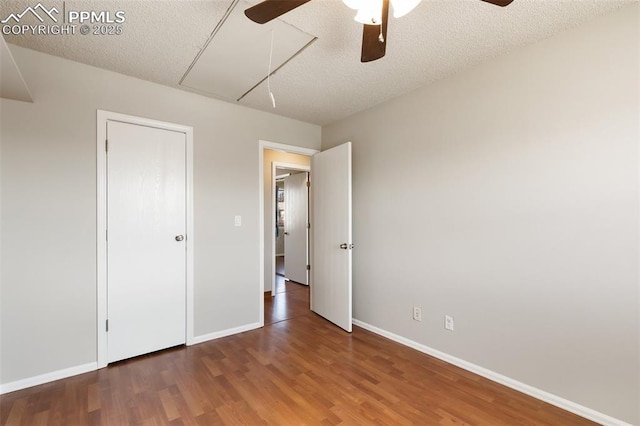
pixel 369 12
pixel 352 4
pixel 402 7
pixel 368 19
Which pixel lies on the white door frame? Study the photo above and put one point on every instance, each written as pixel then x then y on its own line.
pixel 101 264
pixel 278 165
pixel 262 145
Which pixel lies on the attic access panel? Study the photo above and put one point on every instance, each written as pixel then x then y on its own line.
pixel 236 58
pixel 12 84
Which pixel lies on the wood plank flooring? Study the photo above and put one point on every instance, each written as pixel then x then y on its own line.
pixel 290 299
pixel 300 370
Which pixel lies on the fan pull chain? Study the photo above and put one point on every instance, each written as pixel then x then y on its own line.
pixel 273 99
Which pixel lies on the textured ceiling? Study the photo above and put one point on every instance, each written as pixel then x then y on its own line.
pixel 327 81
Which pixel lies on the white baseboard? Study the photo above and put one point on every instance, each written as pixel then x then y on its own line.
pixel 92 366
pixel 47 377
pixel 552 399
pixel 224 333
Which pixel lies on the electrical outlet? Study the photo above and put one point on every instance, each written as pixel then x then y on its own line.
pixel 417 314
pixel 448 322
pixel 237 221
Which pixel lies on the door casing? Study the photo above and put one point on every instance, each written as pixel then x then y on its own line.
pixel 102 118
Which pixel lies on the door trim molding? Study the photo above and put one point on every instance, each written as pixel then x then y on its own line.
pixel 279 165
pixel 262 145
pixel 101 210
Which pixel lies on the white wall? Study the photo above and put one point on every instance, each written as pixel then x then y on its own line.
pixel 507 196
pixel 48 220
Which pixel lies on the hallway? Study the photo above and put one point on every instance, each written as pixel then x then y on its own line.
pixel 290 300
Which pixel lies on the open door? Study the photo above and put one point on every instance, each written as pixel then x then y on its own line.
pixel 331 235
pixel 296 239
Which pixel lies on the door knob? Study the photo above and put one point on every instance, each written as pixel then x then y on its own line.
pixel 286 233
pixel 345 246
pixel 179 237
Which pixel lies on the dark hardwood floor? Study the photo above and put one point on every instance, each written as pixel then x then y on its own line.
pixel 289 299
pixel 280 266
pixel 298 370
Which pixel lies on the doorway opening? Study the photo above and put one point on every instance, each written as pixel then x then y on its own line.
pixel 289 295
pixel 291 225
pixel 275 160
pixel 330 234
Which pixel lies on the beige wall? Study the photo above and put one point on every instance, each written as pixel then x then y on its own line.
pixel 507 196
pixel 48 220
pixel 271 156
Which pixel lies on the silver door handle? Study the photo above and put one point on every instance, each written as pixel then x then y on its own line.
pixel 179 237
pixel 286 233
pixel 345 246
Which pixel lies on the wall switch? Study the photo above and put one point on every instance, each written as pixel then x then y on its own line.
pixel 417 314
pixel 448 322
pixel 238 221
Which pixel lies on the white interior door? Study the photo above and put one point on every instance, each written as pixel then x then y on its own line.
pixel 146 247
pixel 331 235
pixel 296 218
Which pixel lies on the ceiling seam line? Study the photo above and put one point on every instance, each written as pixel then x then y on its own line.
pixel 234 3
pixel 277 69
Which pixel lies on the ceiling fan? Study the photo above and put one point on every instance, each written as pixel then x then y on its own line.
pixel 373 14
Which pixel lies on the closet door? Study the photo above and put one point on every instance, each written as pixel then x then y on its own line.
pixel 146 246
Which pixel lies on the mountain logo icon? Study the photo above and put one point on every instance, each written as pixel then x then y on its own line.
pixel 39 11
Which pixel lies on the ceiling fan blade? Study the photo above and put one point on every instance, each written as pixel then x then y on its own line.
pixel 372 47
pixel 271 9
pixel 501 3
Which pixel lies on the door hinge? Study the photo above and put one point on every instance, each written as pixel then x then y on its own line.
pixel 308 184
pixel 107 324
pixel 308 267
pixel 308 226
pixel 106 145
